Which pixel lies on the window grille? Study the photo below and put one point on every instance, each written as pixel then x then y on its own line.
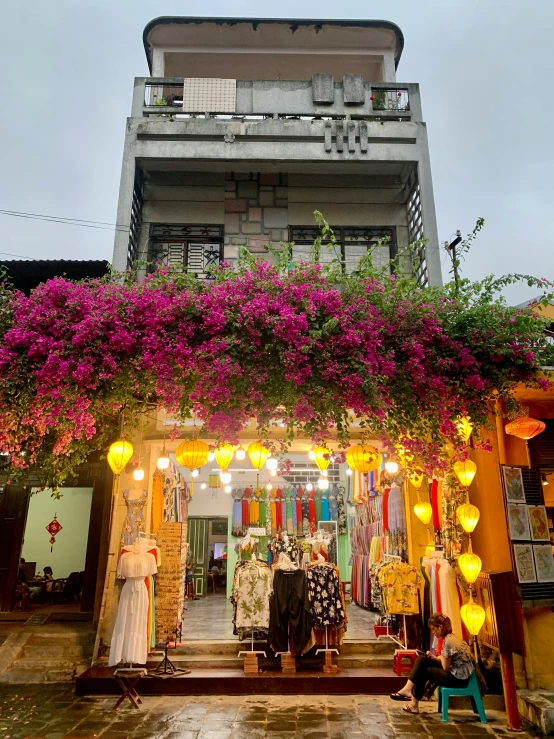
pixel 195 248
pixel 415 231
pixel 136 219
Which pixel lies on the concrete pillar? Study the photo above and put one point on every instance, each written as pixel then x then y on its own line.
pixel 432 253
pixel 123 219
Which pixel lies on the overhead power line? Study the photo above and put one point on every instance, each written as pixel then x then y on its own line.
pixel 66 221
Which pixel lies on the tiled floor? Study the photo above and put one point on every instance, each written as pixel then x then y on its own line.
pixel 53 712
pixel 212 618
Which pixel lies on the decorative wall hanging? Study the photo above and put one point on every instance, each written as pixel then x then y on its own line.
pixel 53 528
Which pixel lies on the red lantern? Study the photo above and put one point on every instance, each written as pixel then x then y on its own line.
pixel 53 528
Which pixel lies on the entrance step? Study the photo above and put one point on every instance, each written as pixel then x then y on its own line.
pixel 27 671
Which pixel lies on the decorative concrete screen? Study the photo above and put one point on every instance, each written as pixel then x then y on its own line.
pixel 205 95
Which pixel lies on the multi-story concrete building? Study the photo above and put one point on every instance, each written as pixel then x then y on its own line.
pixel 247 126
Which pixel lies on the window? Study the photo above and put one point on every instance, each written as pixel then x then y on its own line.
pixel 196 248
pixel 353 243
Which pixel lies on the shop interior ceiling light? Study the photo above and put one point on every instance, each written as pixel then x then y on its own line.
pixel 257 453
pixel 225 477
pixel 192 454
pixel 240 454
pixel 273 473
pixel 470 565
pixel 325 473
pixel 138 474
pixel 473 616
pixel 269 486
pixel 423 511
pixel 465 427
pixel 224 455
pixel 468 516
pixel 228 488
pixel 323 483
pixel 163 461
pixel 311 455
pixel 195 473
pixel 322 457
pixel 119 454
pixel 392 466
pixel 363 458
pixel 272 463
pixel 348 471
pixel 211 456
pixel 309 486
pixel 465 472
pixel 203 486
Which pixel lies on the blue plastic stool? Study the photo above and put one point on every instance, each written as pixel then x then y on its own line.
pixel 472 692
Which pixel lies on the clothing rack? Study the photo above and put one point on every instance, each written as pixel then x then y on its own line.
pixel 392 637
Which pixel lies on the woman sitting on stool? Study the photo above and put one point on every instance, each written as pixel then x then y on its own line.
pixel 452 669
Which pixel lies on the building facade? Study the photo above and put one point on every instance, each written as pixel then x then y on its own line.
pixel 247 126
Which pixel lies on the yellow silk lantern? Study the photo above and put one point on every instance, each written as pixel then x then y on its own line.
pixel 525 427
pixel 192 454
pixel 423 511
pixel 465 427
pixel 223 455
pixel 465 472
pixel 363 458
pixel 322 457
pixel 257 453
pixel 468 516
pixel 473 616
pixel 119 454
pixel 470 565
pixel 416 480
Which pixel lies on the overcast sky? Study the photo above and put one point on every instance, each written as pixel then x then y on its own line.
pixel 485 68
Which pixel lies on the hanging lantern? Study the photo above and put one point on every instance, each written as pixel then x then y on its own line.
pixel 363 458
pixel 119 454
pixel 468 516
pixel 192 454
pixel 257 453
pixel 163 461
pixel 416 480
pixel 322 457
pixel 323 483
pixel 53 528
pixel 473 616
pixel 240 454
pixel 272 464
pixel 465 427
pixel 138 474
pixel 525 428
pixel 470 565
pixel 423 511
pixel 465 472
pixel 225 477
pixel 223 455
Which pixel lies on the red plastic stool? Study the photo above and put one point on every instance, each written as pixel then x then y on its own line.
pixel 403 661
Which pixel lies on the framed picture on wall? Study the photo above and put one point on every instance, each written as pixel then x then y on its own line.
pixel 525 563
pixel 513 484
pixel 544 562
pixel 539 522
pixel 518 521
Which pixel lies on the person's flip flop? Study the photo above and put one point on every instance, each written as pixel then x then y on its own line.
pixel 407 709
pixel 399 697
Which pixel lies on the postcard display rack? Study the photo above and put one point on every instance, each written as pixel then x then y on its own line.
pixel 533 561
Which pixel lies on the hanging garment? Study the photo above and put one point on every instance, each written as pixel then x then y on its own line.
pixel 325 506
pixel 252 590
pixel 130 635
pixel 294 512
pixel 157 499
pixel 254 510
pixel 237 529
pixel 398 537
pixel 324 591
pixel 288 503
pixel 435 505
pixel 452 533
pixel 318 517
pixel 290 625
pixel 299 529
pixel 341 507
pixel 333 554
pixel 283 505
pixel 450 603
pixel 400 585
pixel 333 507
pixel 311 512
pixel 246 509
pixel 305 515
pixel 134 520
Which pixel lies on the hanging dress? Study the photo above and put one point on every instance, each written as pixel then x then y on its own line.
pixel 294 511
pixel 311 512
pixel 157 499
pixel 134 520
pixel 305 515
pixel 288 504
pixel 246 509
pixel 299 493
pixel 254 509
pixel 325 506
pixel 130 635
pixel 273 508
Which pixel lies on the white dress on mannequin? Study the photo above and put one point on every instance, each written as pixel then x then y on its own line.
pixel 130 634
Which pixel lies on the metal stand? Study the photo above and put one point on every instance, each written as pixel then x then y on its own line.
pixel 251 657
pixel 166 668
pixel 328 667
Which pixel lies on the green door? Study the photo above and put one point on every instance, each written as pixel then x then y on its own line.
pixel 198 542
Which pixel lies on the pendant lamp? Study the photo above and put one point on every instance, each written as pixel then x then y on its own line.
pixel 392 466
pixel 119 454
pixel 473 616
pixel 192 454
pixel 468 516
pixel 322 457
pixel 257 453
pixel 525 428
pixel 470 565
pixel 465 427
pixel 272 464
pixel 138 474
pixel 223 455
pixel 240 454
pixel 363 458
pixel 423 511
pixel 465 472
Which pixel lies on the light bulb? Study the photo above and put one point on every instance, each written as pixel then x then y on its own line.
pixel 272 464
pixel 273 473
pixel 240 454
pixel 323 483
pixel 163 462
pixel 311 455
pixel 138 474
pixel 195 473
pixel 348 471
pixel 225 477
pixel 391 466
pixel 269 486
pixel 309 486
pixel 203 486
pixel 211 456
pixel 228 488
pixel 324 473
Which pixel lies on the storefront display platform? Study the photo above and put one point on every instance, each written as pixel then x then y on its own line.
pixel 352 681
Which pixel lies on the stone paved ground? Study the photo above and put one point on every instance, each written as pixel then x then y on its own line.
pixel 53 712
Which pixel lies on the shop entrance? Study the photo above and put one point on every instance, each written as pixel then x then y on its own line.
pixel 207 539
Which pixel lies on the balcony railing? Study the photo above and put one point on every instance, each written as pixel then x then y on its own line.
pixel 279 99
